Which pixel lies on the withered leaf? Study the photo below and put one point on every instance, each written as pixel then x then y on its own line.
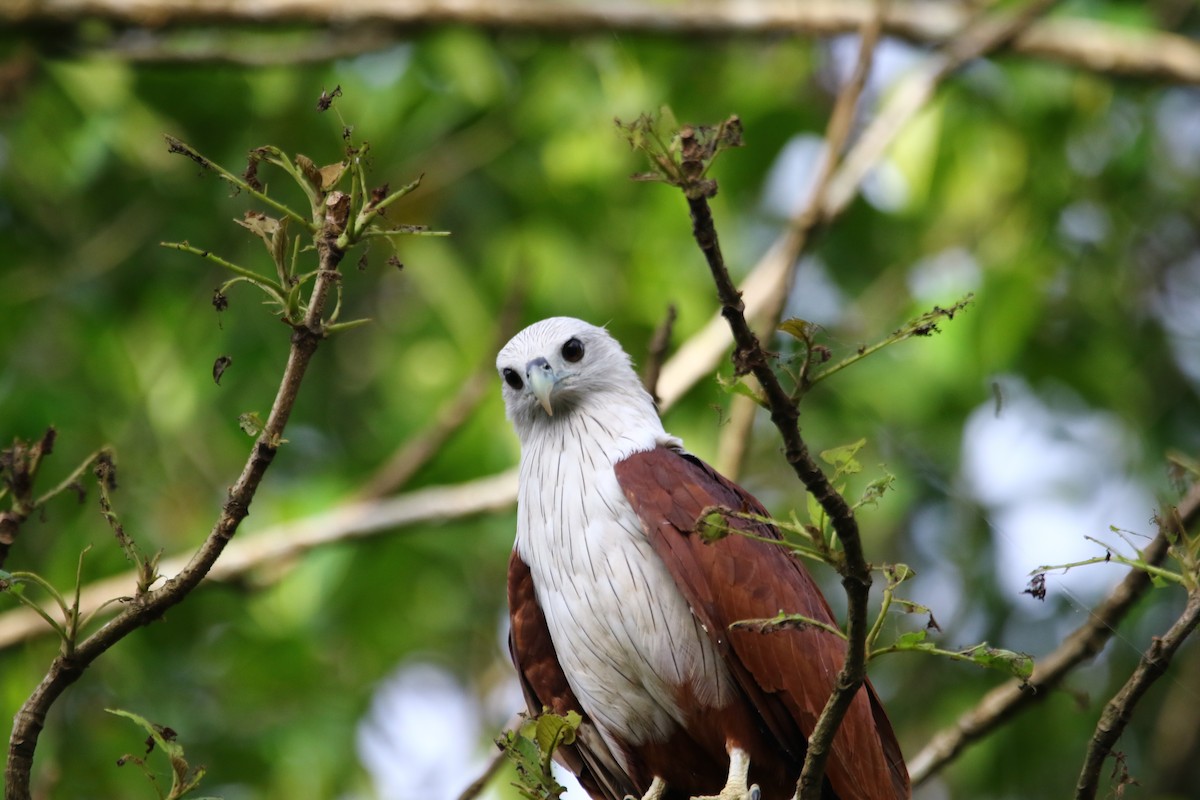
pixel 219 366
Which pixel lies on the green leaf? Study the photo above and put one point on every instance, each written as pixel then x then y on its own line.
pixel 816 514
pixel 1020 665
pixel 551 730
pixel 875 490
pixel 184 778
pixel 910 607
pixel 842 459
pixel 800 329
pixel 250 423
pixel 738 385
pixel 713 524
pixel 531 749
pixel 913 640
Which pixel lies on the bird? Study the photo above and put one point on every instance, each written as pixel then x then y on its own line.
pixel 620 610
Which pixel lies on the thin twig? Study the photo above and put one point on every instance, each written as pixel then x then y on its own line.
pixel 476 787
pixel 1006 701
pixel 656 353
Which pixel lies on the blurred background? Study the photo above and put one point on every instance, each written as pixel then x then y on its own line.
pixel 1064 198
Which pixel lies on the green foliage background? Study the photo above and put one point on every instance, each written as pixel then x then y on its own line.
pixel 112 338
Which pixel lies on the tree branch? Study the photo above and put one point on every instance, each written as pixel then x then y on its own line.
pixel 1009 699
pixel 656 353
pixel 1088 44
pixel 977 38
pixel 281 544
pixel 149 606
pixel 1119 709
pixel 1152 666
pixel 749 356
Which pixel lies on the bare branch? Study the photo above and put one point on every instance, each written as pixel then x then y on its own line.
pixel 1119 709
pixel 1006 701
pixel 1089 44
pixel 656 353
pixel 981 36
pixel 282 544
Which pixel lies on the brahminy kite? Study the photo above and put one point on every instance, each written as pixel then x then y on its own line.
pixel 621 611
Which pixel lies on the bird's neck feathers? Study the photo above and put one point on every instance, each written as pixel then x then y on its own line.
pixel 603 425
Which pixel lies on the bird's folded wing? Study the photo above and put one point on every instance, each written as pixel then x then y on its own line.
pixel 545 686
pixel 787 674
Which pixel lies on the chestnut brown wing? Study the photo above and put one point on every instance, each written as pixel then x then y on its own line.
pixel 786 674
pixel 545 686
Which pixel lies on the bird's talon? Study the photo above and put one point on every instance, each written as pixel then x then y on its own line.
pixel 732 793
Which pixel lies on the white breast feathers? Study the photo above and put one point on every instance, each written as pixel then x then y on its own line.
pixel 623 633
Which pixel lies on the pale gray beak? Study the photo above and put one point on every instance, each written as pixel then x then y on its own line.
pixel 541 379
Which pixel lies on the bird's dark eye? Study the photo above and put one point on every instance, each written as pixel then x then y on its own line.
pixel 573 350
pixel 513 378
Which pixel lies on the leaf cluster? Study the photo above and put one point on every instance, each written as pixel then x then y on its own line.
pixel 334 218
pixel 184 777
pixel 531 749
pixel 683 159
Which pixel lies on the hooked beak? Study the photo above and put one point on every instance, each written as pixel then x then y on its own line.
pixel 541 379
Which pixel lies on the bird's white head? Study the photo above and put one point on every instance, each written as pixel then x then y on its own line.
pixel 557 367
